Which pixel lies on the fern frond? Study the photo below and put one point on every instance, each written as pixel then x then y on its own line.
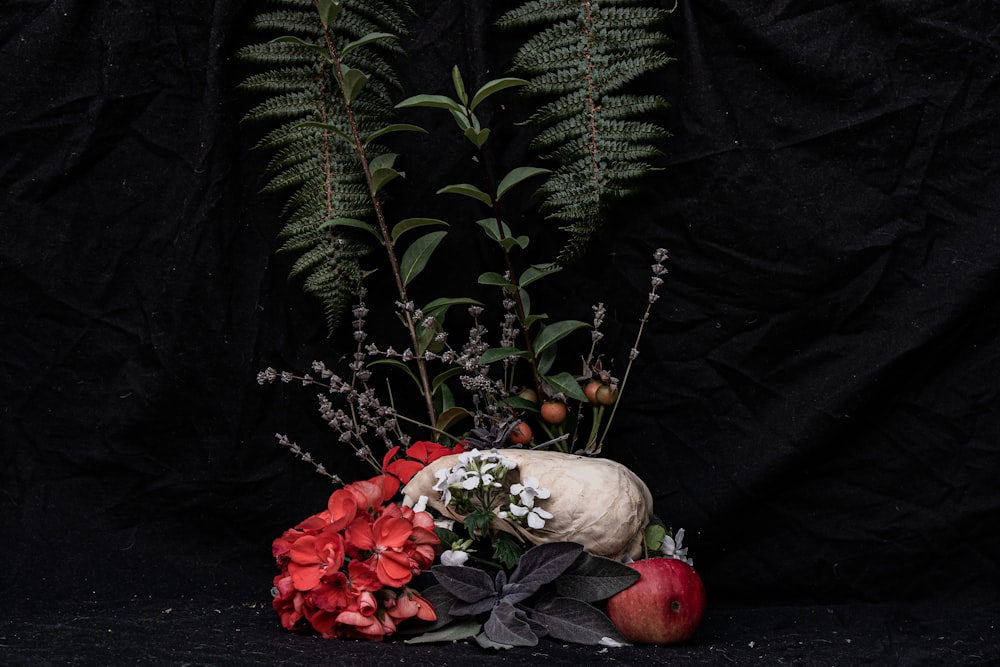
pixel 580 58
pixel 320 173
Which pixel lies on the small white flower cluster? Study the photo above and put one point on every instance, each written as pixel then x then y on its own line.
pixel 477 482
pixel 672 548
pixel 475 470
pixel 522 505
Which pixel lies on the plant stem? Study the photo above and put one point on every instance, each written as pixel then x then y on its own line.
pixel 387 241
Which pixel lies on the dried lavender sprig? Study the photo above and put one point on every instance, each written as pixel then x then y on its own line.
pixel 307 457
pixel 658 270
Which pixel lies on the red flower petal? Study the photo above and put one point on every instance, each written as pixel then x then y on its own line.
pixel 393 568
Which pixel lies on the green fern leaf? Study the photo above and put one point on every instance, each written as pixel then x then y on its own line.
pixel 578 61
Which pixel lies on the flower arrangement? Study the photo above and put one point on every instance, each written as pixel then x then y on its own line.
pixel 490 476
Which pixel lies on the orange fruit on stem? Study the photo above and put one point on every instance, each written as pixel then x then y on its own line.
pixel 521 434
pixel 553 412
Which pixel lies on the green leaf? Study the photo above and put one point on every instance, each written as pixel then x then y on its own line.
pixel 520 241
pixel 495 86
pixel 407 224
pixel 456 78
pixel 396 363
pixel 416 256
pixel 655 534
pixel 468 190
pixel 556 332
pixel 478 138
pixel 450 417
pixel 567 384
pixel 536 271
pixel 489 226
pixel 328 10
pixel 441 378
pixel 352 223
pixel 495 354
pixel 546 360
pixel 453 632
pixel 364 41
pixel 593 578
pixel 396 127
pixel 431 101
pixel 576 621
pixel 312 46
pixel 494 278
pixel 518 175
pixel 383 161
pixel 381 177
pixel 438 307
pixel 519 403
pixel 354 81
pixel 327 127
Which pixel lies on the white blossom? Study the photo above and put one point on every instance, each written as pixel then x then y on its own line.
pixel 672 548
pixel 528 491
pixel 454 558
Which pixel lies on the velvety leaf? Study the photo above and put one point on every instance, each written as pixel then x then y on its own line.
pixel 593 578
pixel 417 255
pixel 505 627
pixel 519 403
pixel 538 566
pixel 576 621
pixel 518 175
pixel 468 584
pixel 460 608
pixel 495 86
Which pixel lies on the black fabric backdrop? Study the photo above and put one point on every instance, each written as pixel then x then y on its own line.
pixel 817 397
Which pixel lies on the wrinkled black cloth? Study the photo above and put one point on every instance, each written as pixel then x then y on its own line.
pixel 816 396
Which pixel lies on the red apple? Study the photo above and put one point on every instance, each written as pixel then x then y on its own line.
pixel 664 606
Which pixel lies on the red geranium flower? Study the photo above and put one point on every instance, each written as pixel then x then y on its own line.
pixel 385 538
pixel 400 471
pixel 312 556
